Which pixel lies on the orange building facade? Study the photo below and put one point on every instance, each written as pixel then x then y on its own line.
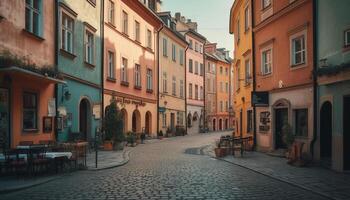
pixel 283 43
pixel 27 73
pixel 130 63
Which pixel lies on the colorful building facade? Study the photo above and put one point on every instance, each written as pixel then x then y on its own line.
pixel 131 63
pixel 79 37
pixel 332 142
pixel 241 28
pixel 27 73
pixel 283 51
pixel 172 73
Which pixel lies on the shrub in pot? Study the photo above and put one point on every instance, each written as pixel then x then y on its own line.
pixel 160 134
pixel 131 138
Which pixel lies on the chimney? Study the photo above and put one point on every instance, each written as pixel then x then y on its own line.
pixel 177 16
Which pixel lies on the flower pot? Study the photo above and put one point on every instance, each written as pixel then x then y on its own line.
pixel 108 145
pixel 220 152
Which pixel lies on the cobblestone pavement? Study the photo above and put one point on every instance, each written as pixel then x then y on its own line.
pixel 162 170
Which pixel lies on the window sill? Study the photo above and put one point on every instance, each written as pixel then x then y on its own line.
pixel 125 34
pixel 137 42
pixel 30 130
pixel 137 87
pixel 298 66
pixel 111 24
pixel 92 3
pixel 266 8
pixel 67 54
pixel 33 35
pixel 124 83
pixel 149 49
pixel 110 79
pixel 92 66
pixel 166 56
pixel 150 91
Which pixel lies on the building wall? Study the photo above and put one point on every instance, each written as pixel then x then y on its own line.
pixel 172 103
pixel 222 94
pixel 210 93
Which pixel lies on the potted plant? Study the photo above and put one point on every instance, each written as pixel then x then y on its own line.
pixel 219 151
pixel 160 134
pixel 131 139
pixel 113 126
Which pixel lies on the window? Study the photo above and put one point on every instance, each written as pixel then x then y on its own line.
pixel 67 31
pixel 247 72
pixel 174 52
pixel 249 121
pixel 149 39
pixel 226 71
pixel 181 88
pixel 111 12
pixel 165 47
pixel 190 95
pixel 181 57
pixel 246 18
pixel 266 66
pixel 164 120
pixel 298 50
pixel 180 118
pixel 214 68
pixel 137 31
pixel 238 85
pixel 137 75
pixel 89 47
pixel 226 106
pixel 208 67
pixel 221 70
pixel 190 66
pixel 201 49
pixel 196 92
pixel 196 67
pixel 149 79
pixel 208 85
pixel 174 86
pixel 165 83
pixel 226 87
pixel 33 16
pixel 221 106
pixel 124 70
pixel 201 69
pixel 347 38
pixel 125 22
pixel 221 87
pixel 111 67
pixel 196 46
pixel 30 111
pixel 238 32
pixel 201 93
pixel 301 122
pixel 266 3
pixel 191 44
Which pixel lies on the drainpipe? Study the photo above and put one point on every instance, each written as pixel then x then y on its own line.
pixel 158 69
pixel 254 77
pixel 102 59
pixel 315 95
pixel 186 86
pixel 204 110
pixel 56 60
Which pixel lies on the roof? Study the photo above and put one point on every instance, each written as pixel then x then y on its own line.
pixel 190 31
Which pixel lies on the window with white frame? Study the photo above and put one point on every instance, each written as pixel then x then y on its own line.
pixel 190 44
pixel 266 3
pixel 181 57
pixel 196 67
pixel 347 38
pixel 124 70
pixel 89 47
pixel 247 72
pixel 137 75
pixel 125 22
pixel 180 118
pixel 201 49
pixel 149 39
pixel 164 120
pixel 111 12
pixel 181 88
pixel 266 62
pixel 190 93
pixel 165 82
pixel 111 65
pixel 173 52
pixel 33 16
pixel 298 51
pixel 201 70
pixel 174 86
pixel 137 31
pixel 201 93
pixel 165 47
pixel 149 79
pixel 246 18
pixel 67 32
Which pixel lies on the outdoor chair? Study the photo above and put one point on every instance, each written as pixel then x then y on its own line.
pixel 39 162
pixel 14 163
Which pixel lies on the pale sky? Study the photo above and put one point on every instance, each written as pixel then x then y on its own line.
pixel 212 17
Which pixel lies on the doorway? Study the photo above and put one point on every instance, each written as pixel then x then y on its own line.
pixel 84 116
pixel 4 119
pixel 220 124
pixel 172 122
pixel 136 122
pixel 148 123
pixel 346 133
pixel 326 134
pixel 281 118
pixel 214 124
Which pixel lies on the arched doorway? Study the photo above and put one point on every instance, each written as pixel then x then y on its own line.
pixel 84 118
pixel 326 133
pixel 125 120
pixel 281 118
pixel 220 124
pixel 214 124
pixel 226 124
pixel 136 121
pixel 148 123
pixel 189 120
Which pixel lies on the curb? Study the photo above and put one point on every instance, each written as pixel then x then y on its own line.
pixel 126 156
pixel 270 176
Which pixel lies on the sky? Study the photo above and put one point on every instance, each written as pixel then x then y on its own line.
pixel 212 17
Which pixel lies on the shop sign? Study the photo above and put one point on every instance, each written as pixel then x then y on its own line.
pixel 260 99
pixel 129 101
pixel 96 111
pixel 161 109
pixel 265 119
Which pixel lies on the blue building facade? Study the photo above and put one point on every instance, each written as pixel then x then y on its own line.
pixel 79 40
pixel 333 93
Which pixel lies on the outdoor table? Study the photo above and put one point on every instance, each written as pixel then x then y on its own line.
pixel 53 155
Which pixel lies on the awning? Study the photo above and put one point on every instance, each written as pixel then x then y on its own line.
pixel 25 72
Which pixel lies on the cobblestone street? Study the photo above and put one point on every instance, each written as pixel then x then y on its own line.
pixel 162 170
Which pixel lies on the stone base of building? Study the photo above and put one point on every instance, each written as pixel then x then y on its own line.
pixel 219 122
pixel 195 119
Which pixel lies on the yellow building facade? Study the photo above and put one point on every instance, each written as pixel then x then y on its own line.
pixel 241 28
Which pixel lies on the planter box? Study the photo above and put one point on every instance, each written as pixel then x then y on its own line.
pixel 108 146
pixel 220 152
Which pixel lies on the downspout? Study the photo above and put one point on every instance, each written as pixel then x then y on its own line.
pixel 102 60
pixel 204 110
pixel 315 95
pixel 158 71
pixel 254 77
pixel 186 86
pixel 56 60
